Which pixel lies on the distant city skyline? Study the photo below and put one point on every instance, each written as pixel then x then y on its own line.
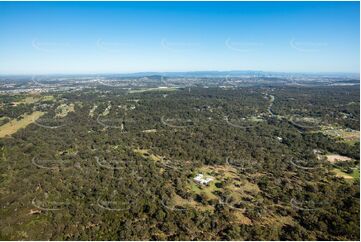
pixel 128 37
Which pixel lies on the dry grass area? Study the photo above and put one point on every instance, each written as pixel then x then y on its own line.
pixel 27 100
pixel 342 174
pixel 241 218
pixel 349 136
pixel 224 171
pixel 232 183
pixel 107 110
pixel 63 110
pixel 33 99
pixel 219 174
pixel 334 158
pixel 91 112
pixel 227 181
pixel 14 125
pixel 205 190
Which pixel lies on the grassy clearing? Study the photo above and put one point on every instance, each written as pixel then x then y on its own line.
pixel 240 218
pixel 33 99
pixel 217 173
pixel 14 125
pixel 28 100
pixel 342 174
pixel 220 172
pixel 91 112
pixel 349 176
pixel 231 183
pixel 206 190
pixel 107 110
pixel 63 110
pixel 356 173
pixel 47 98
pixel 227 182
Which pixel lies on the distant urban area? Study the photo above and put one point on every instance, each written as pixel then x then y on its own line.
pixel 226 80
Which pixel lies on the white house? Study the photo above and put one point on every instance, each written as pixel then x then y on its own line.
pixel 202 180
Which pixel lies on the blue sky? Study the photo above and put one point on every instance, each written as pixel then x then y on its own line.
pixel 121 37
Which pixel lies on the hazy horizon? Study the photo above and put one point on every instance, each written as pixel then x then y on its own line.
pixel 229 72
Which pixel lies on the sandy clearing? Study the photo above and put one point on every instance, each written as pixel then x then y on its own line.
pixel 334 158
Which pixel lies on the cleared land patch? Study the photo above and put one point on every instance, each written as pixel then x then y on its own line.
pixel 334 158
pixel 63 110
pixel 33 99
pixel 91 112
pixel 14 125
pixel 342 174
pixel 227 187
pixel 226 179
pixel 107 110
